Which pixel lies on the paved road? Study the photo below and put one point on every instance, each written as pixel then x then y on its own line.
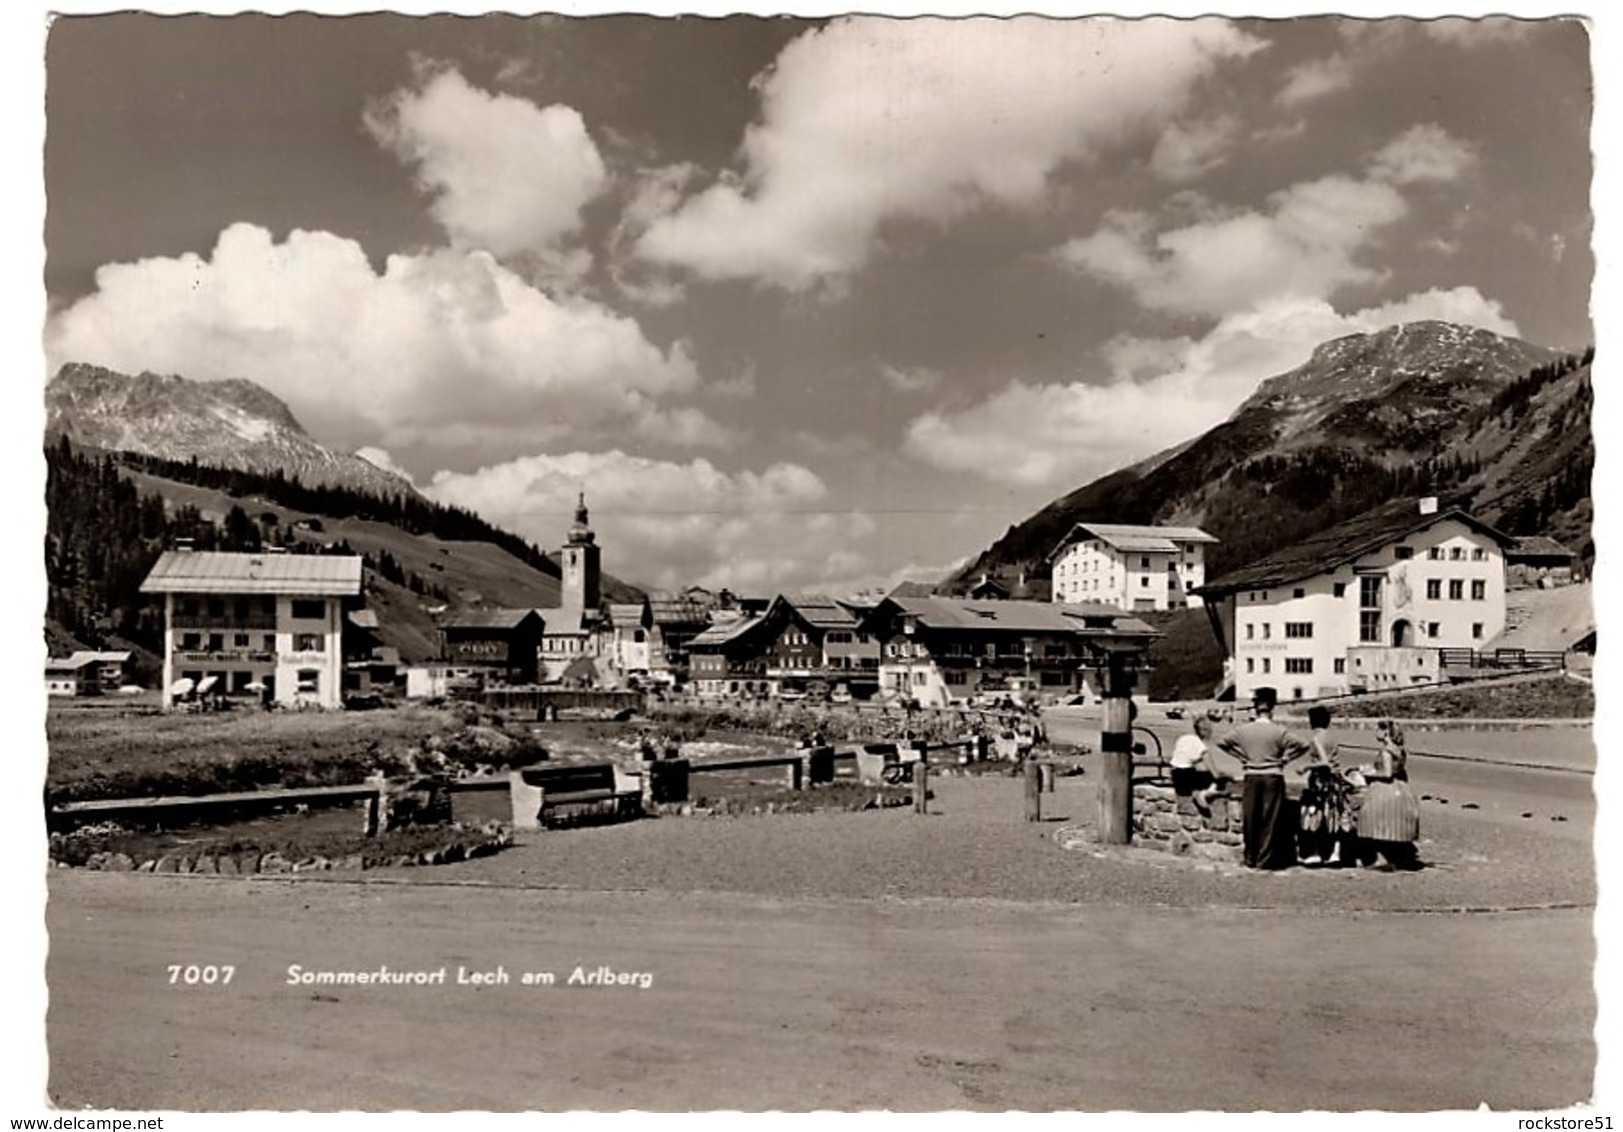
pixel 1473 768
pixel 762 1002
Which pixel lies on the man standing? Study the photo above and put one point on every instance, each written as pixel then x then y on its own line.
pixel 1263 748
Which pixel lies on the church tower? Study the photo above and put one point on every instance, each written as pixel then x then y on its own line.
pixel 580 585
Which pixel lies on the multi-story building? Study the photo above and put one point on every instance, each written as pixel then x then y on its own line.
pixel 1367 604
pixel 87 673
pixel 819 644
pixel 267 624
pixel 1134 568
pixel 730 657
pixel 500 644
pixel 940 651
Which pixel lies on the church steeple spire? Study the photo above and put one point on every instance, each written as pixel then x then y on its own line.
pixel 581 534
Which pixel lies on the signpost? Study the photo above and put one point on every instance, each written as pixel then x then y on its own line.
pixel 1116 751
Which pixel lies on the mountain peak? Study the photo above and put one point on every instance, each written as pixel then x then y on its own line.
pixel 233 423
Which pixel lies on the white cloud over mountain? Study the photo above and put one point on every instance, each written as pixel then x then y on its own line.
pixel 390 357
pixel 870 119
pixel 1304 244
pixel 506 175
pixel 1161 392
pixel 667 524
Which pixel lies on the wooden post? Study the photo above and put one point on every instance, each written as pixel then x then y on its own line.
pixel 1034 792
pixel 1116 751
pixel 1045 772
pixel 921 787
pixel 793 777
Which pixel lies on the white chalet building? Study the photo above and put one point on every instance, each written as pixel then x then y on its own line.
pixel 256 622
pixel 1367 605
pixel 1132 568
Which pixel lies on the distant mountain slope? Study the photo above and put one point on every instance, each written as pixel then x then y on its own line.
pixel 224 424
pixel 1422 408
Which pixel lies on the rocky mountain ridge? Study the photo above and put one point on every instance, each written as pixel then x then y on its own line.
pixel 227 424
pixel 1420 408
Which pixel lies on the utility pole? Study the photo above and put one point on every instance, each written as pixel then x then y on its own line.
pixel 1116 753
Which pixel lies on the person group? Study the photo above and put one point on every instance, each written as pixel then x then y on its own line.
pixel 1301 801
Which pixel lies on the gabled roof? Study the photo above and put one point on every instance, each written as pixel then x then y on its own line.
pixel 678 611
pixel 1538 546
pixel 1343 543
pixel 74 663
pixel 1019 616
pixel 90 656
pixel 626 615
pixel 1133 539
pixel 726 632
pixel 487 618
pixel 912 589
pixel 818 611
pixel 221 572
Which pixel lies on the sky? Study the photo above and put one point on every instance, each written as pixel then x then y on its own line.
pixel 800 304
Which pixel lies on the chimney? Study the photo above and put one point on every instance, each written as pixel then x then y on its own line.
pixel 1428 505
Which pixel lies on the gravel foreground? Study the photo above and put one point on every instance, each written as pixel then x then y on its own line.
pixel 974 844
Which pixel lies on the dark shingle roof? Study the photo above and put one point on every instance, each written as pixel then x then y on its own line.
pixel 1020 616
pixel 1538 546
pixel 485 618
pixel 1338 545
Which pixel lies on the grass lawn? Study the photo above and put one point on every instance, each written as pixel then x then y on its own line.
pixel 1554 697
pixel 114 750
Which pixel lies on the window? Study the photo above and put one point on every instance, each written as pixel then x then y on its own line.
pixel 918 679
pixel 1267 630
pixel 1250 631
pixel 191 640
pixel 1369 592
pixel 1476 630
pixel 1340 665
pixel 953 677
pixel 1435 554
pixel 1144 581
pixel 1403 552
pixel 270 642
pixel 216 642
pixel 1369 625
pixel 1456 553
pixel 1340 589
pixel 1434 630
pixel 310 680
pixel 1479 589
pixel 1299 592
pixel 239 641
pixel 1250 665
pixel 307 642
pixel 1434 589
pixel 1478 554
pixel 1298 629
pixel 1296 693
pixel 1144 562
pixel 1266 665
pixel 309 609
pixel 1298 665
pixel 1456 589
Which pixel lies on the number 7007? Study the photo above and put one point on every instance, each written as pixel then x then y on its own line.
pixel 193 975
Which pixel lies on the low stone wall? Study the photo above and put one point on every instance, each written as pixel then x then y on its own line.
pixel 1162 820
pixel 463 844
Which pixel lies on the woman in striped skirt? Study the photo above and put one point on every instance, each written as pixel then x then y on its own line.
pixel 1389 818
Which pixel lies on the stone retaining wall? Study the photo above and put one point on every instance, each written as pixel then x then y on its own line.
pixel 1162 820
pixel 466 846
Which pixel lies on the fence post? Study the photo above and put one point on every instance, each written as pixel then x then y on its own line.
pixel 921 787
pixel 794 775
pixel 1034 792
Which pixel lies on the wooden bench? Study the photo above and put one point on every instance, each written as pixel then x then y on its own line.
pixel 574 794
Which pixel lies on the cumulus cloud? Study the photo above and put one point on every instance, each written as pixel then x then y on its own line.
pixel 506 175
pixel 379 458
pixel 1423 153
pixel 1187 151
pixel 1304 244
pixel 1314 79
pixel 667 524
pixel 866 120
pixel 1161 392
pixel 383 358
pixel 910 379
